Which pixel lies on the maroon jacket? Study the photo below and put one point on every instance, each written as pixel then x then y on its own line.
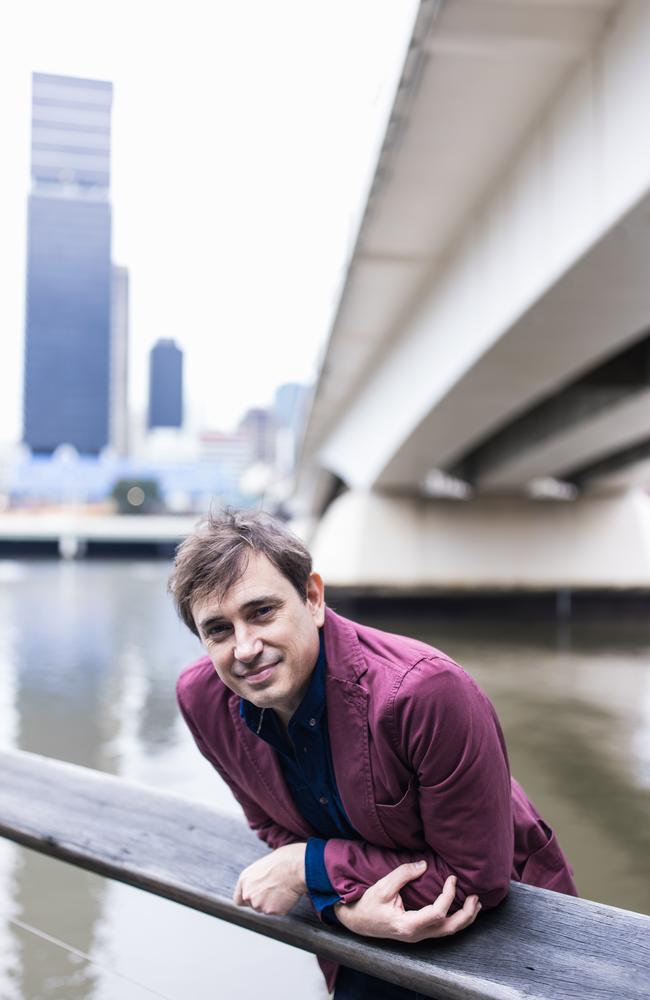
pixel 421 767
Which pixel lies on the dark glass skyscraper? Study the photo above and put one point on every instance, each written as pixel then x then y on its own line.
pixel 165 385
pixel 67 356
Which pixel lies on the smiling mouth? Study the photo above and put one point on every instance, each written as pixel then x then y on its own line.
pixel 261 674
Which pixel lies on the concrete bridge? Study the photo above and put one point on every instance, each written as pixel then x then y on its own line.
pixel 482 415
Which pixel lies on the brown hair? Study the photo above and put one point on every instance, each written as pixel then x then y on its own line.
pixel 216 554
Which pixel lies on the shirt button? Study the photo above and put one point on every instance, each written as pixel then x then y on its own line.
pixel 312 722
pixel 323 800
pixel 305 749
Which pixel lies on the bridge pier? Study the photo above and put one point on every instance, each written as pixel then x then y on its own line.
pixel 72 547
pixel 366 540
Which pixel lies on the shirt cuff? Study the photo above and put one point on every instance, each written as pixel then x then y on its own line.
pixel 320 889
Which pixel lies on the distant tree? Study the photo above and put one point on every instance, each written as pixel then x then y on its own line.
pixel 137 496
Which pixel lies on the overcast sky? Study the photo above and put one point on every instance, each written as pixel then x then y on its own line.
pixel 244 138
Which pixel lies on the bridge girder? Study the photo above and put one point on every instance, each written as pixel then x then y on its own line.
pixel 534 270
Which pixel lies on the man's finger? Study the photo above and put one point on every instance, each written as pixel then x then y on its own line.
pixel 431 921
pixel 416 924
pixel 457 922
pixel 460 919
pixel 440 907
pixel 390 884
pixel 237 897
pixel 447 896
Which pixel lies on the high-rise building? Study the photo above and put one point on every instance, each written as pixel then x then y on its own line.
pixel 257 423
pixel 289 412
pixel 119 404
pixel 231 453
pixel 165 385
pixel 67 354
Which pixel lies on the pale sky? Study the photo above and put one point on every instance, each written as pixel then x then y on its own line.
pixel 244 139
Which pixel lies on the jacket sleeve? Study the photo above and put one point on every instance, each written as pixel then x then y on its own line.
pixel 266 829
pixel 446 731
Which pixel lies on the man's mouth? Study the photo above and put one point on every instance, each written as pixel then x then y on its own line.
pixel 261 673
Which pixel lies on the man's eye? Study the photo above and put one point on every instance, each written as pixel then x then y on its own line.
pixel 217 631
pixel 264 611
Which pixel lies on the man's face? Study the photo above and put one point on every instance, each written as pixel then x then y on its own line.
pixel 261 638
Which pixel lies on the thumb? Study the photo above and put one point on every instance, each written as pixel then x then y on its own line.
pixel 391 884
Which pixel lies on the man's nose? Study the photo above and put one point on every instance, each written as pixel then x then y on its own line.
pixel 247 645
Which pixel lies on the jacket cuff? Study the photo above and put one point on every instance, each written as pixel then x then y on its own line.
pixel 320 889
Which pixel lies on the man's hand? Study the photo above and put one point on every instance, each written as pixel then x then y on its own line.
pixel 275 883
pixel 380 911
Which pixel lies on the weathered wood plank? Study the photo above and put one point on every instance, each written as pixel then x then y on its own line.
pixel 537 945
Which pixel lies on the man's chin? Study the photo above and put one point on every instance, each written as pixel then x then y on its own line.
pixel 265 696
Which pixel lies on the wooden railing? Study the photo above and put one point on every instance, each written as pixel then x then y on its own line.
pixel 536 945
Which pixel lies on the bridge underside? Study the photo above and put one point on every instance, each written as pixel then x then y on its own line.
pixel 493 331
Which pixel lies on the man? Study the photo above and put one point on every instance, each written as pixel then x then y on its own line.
pixel 372 765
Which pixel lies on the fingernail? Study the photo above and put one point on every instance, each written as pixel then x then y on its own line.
pixel 421 864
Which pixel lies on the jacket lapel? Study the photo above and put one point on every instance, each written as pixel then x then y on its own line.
pixel 347 723
pixel 266 767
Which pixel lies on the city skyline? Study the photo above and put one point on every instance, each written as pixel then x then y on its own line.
pixel 188 472
pixel 235 203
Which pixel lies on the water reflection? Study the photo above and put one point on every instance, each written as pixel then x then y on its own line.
pixel 66 904
pixel 89 654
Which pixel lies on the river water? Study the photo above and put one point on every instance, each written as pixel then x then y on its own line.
pixel 89 653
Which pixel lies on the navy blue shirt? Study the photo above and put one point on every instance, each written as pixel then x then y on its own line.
pixel 306 762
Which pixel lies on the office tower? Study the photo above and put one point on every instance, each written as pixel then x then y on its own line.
pixel 230 453
pixel 257 423
pixel 290 404
pixel 165 385
pixel 289 412
pixel 119 405
pixel 67 352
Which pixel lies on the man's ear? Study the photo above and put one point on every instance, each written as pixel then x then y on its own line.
pixel 316 598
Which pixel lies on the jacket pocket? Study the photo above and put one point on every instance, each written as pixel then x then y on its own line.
pixel 408 796
pixel 401 820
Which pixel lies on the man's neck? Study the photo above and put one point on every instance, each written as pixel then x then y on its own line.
pixel 285 713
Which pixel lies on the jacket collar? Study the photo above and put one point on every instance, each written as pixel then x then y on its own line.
pixel 345 660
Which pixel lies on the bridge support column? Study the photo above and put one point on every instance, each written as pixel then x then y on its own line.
pixel 72 547
pixel 376 542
